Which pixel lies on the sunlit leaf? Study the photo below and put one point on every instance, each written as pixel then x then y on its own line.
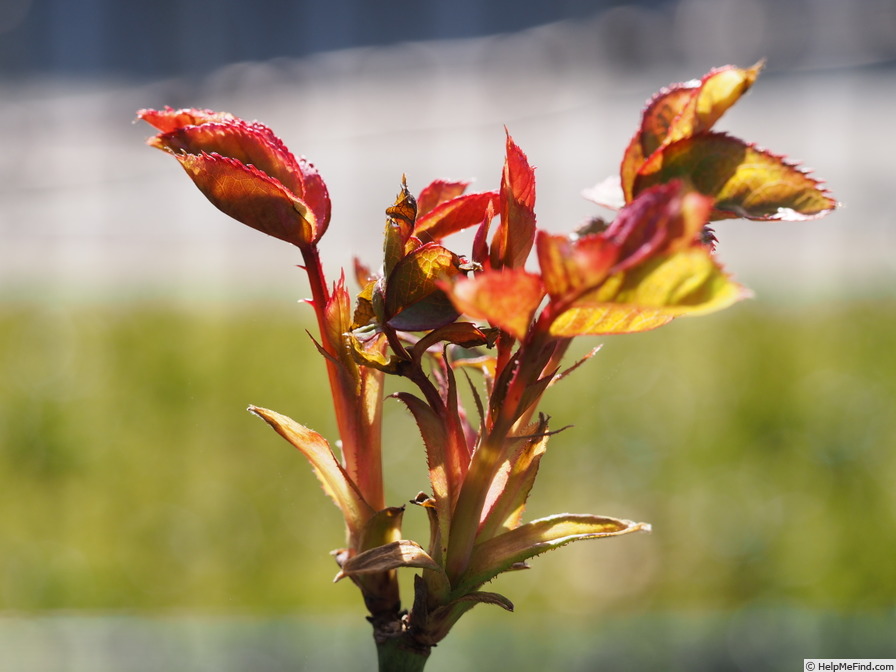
pixel 251 197
pixel 238 140
pixel 502 552
pixel 599 320
pixel 252 144
pixel 515 234
pixel 365 311
pixel 169 119
pixel 716 93
pixel 439 191
pixel 454 215
pixel 510 488
pixel 661 220
pixel 506 299
pixel 680 111
pixel 372 357
pixel 570 267
pixel 745 181
pixel 650 295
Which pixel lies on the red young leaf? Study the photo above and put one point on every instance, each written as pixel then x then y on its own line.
pixel 454 215
pixel 515 234
pixel 570 267
pixel 169 119
pixel 661 220
pixel 438 192
pixel 240 141
pixel 251 144
pixel 507 299
pixel 401 216
pixel 251 197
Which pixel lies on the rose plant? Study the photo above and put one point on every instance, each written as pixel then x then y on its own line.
pixel 433 316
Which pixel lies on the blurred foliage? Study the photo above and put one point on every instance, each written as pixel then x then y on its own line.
pixel 759 443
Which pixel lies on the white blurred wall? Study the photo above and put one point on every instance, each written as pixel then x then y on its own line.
pixel 88 211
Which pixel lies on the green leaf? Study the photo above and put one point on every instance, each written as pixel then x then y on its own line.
pixel 745 181
pixel 499 554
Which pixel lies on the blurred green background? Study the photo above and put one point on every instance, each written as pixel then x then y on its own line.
pixel 758 442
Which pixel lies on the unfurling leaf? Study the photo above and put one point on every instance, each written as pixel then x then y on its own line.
pixel 508 299
pixel 373 357
pixel 464 334
pixel 744 180
pixel 246 172
pixel 401 553
pixel 384 527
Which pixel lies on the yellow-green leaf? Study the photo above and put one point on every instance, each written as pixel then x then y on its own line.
pixel 744 180
pixel 650 295
pixel 682 110
pixel 718 90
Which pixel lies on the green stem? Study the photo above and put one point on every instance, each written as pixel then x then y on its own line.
pixel 398 654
